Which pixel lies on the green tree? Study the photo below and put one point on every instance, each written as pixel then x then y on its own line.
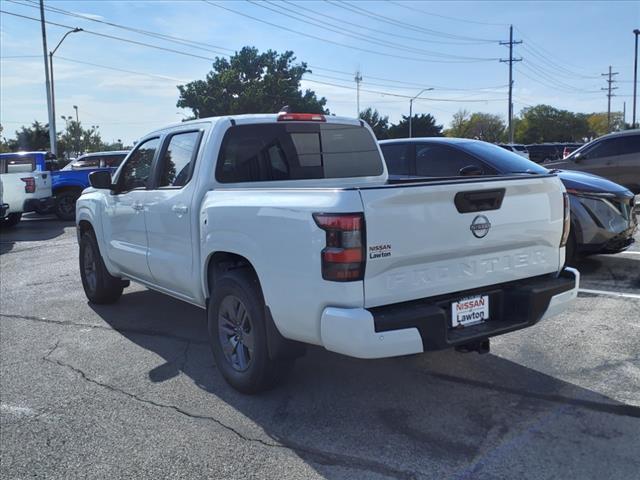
pixel 543 123
pixel 487 127
pixel 378 123
pixel 251 82
pixel 459 126
pixel 35 137
pixel 423 125
pixel 481 126
pixel 76 140
pixel 599 123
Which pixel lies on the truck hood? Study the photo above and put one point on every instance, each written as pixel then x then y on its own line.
pixel 588 182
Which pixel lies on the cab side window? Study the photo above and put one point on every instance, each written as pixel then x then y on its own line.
pixel 178 158
pixel 434 160
pixel 137 170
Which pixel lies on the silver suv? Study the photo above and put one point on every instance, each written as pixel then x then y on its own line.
pixel 615 156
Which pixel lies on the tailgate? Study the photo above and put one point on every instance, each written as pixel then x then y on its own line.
pixel 43 184
pixel 444 237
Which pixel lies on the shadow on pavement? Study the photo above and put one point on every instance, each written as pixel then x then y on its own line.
pixel 32 229
pixel 391 417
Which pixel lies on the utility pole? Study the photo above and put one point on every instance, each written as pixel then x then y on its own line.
pixel 636 32
pixel 358 79
pixel 52 120
pixel 608 89
pixel 624 115
pixel 511 61
pixel 78 131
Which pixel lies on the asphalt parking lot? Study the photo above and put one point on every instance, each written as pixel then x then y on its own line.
pixel 130 390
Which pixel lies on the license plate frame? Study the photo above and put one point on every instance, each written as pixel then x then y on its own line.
pixel 470 310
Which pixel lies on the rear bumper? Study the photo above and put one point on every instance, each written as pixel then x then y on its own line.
pixel 414 327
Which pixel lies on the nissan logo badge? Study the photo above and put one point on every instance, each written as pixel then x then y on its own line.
pixel 480 226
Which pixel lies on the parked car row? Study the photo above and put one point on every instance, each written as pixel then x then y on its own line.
pixel 52 190
pixel 602 218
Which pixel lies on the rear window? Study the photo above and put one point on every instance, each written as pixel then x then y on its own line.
pixel 297 151
pixel 21 164
pixel 503 160
pixel 114 160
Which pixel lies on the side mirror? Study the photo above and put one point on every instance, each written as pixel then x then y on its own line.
pixel 470 171
pixel 578 157
pixel 101 179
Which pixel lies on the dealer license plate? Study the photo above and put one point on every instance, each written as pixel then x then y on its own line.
pixel 470 310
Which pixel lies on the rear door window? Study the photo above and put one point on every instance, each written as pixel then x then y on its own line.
pixel 113 161
pixel 18 164
pixel 296 151
pixel 178 158
pixel 397 157
pixel 433 160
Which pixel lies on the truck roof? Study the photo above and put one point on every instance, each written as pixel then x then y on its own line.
pixel 250 118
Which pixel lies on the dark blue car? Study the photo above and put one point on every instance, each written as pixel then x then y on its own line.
pixel 602 212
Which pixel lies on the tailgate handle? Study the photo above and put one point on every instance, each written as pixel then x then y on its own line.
pixel 479 200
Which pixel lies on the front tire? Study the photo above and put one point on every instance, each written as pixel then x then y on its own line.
pixel 99 285
pixel 238 336
pixel 65 207
pixel 11 220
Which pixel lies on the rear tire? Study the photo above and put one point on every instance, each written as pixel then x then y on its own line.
pixel 65 207
pixel 11 220
pixel 99 285
pixel 238 335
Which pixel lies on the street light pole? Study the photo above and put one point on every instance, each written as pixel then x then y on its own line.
pixel 52 123
pixel 636 32
pixel 411 109
pixel 52 128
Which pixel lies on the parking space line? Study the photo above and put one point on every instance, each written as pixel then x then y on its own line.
pixel 610 294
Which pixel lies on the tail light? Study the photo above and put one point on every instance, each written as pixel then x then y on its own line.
pixel 30 184
pixel 566 226
pixel 301 117
pixel 343 259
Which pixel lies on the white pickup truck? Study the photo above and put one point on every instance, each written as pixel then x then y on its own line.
pixel 286 229
pixel 24 187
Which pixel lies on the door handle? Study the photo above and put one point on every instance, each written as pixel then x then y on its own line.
pixel 137 206
pixel 180 209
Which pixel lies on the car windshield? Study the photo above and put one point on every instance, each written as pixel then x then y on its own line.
pixel 502 159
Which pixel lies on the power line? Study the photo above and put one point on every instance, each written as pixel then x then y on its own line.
pixel 332 27
pixel 542 52
pixel 112 37
pixel 456 19
pixel 389 94
pixel 317 14
pixel 187 42
pixel 397 23
pixel 161 36
pixel 326 40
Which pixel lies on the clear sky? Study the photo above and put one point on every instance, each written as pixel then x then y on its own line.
pixel 399 47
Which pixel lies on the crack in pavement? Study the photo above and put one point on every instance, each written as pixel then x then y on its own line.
pixel 311 454
pixel 122 330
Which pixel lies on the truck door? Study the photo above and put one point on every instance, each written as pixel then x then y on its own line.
pixel 169 218
pixel 124 219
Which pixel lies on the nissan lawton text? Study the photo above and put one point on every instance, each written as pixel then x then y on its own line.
pixel 286 228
